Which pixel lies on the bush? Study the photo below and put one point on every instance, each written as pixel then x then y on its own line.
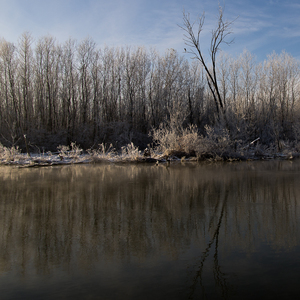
pixel 9 154
pixel 216 142
pixel 171 137
pixel 175 138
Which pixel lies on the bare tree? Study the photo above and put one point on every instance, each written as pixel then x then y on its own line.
pixel 9 67
pixel 218 36
pixel 86 53
pixel 25 58
pixel 69 91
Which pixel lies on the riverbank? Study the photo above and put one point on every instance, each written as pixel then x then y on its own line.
pixel 74 155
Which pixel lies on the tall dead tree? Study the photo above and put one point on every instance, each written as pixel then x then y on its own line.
pixel 218 36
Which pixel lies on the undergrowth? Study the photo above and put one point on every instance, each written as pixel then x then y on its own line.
pixel 170 140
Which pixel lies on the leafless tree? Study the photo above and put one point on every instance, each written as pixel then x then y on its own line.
pixel 86 94
pixel 69 90
pixel 8 81
pixel 86 54
pixel 25 68
pixel 218 36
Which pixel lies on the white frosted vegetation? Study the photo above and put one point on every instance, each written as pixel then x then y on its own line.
pixel 172 143
pixel 108 101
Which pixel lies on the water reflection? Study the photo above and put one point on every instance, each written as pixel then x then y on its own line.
pixel 132 231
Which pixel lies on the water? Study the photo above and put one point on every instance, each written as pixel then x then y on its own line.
pixel 194 231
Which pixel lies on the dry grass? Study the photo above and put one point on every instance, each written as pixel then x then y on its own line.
pixel 72 152
pixel 10 155
pixel 131 152
pixel 103 152
pixel 189 142
pixel 170 139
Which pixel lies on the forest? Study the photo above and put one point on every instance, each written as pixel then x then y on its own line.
pixel 55 93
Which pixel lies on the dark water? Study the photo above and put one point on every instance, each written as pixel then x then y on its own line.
pixel 211 231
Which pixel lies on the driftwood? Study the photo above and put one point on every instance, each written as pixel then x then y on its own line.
pixel 252 143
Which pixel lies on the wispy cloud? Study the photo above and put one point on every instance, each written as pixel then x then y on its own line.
pixel 260 24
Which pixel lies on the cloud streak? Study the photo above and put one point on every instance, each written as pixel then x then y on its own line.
pixel 262 26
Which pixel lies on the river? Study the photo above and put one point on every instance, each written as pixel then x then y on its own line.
pixel 133 231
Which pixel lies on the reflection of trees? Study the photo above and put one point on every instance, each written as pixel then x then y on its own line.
pixel 74 215
pixel 219 276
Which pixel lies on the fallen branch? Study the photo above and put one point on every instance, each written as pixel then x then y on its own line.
pixel 256 140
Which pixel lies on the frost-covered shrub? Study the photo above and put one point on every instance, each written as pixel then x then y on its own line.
pixel 63 150
pixel 69 152
pixel 173 136
pixel 9 154
pixel 217 141
pixel 104 151
pixel 189 140
pixel 165 138
pixel 130 151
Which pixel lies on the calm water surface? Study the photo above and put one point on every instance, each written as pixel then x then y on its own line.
pixel 206 231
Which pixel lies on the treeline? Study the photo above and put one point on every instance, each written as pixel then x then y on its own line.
pixel 55 94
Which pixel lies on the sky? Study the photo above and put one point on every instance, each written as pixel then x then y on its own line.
pixel 260 26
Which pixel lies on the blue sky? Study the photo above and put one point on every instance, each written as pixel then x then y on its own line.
pixel 262 26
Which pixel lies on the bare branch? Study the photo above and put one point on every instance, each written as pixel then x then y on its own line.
pixel 219 35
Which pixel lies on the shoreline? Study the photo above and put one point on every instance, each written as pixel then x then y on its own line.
pixel 23 160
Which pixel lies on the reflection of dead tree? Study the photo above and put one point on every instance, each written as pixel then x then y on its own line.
pixel 219 276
